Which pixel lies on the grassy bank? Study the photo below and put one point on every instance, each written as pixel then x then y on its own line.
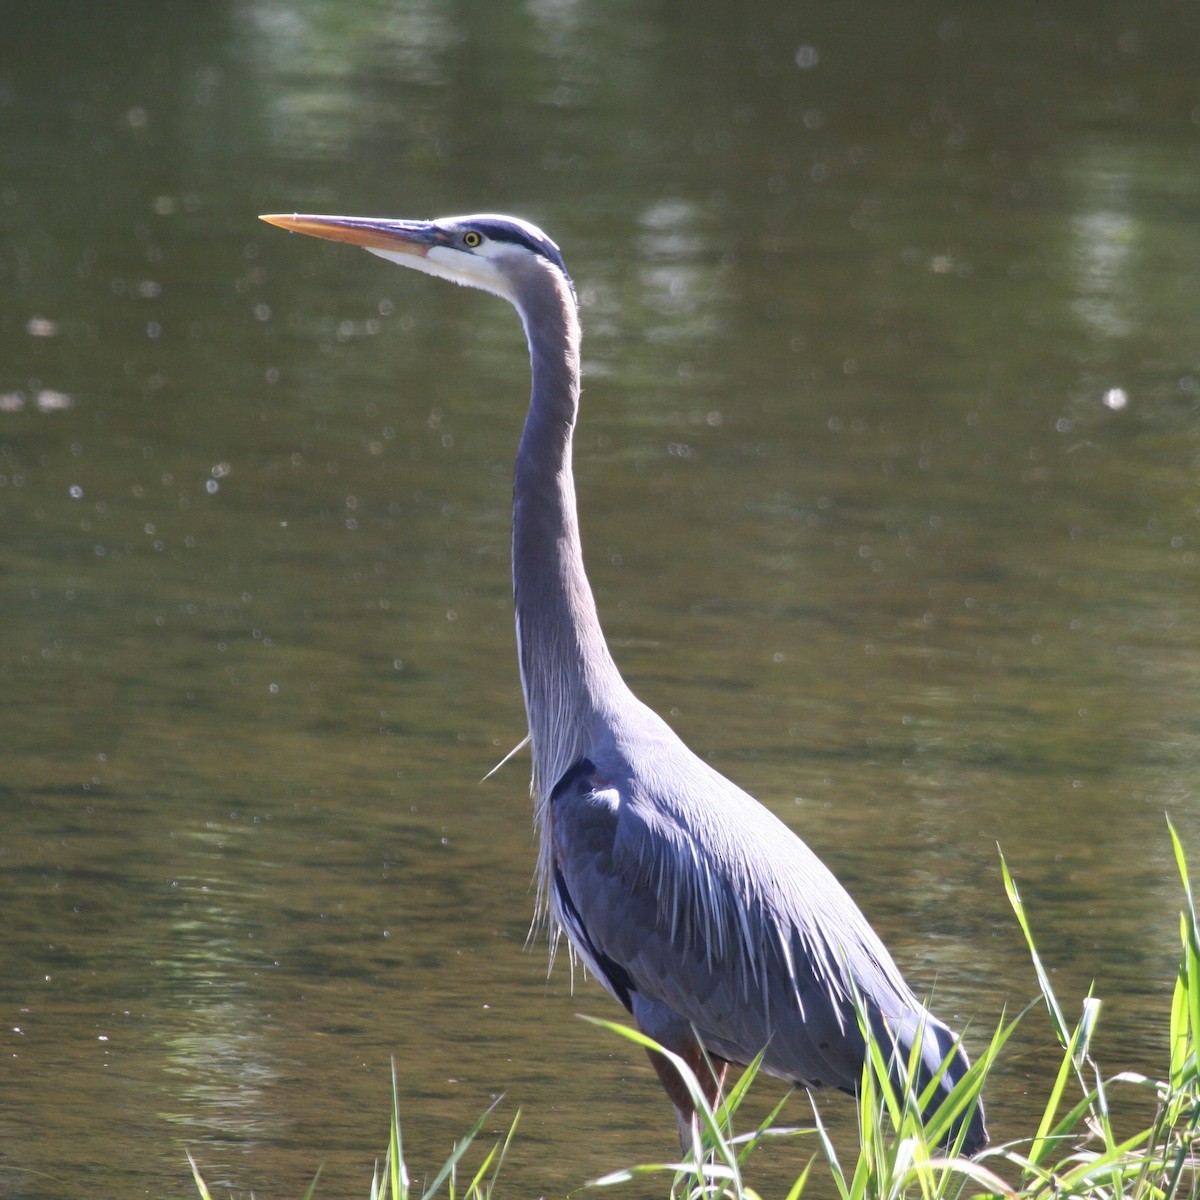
pixel 1074 1151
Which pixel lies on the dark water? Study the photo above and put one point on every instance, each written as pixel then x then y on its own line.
pixel 890 467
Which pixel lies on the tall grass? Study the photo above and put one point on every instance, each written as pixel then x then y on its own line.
pixel 1075 1150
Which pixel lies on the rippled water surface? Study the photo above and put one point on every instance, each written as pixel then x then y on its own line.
pixel 890 476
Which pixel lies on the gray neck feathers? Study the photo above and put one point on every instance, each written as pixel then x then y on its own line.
pixel 567 672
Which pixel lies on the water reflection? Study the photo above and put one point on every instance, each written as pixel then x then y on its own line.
pixel 43 399
pixel 341 63
pixel 854 299
pixel 673 276
pixel 1105 236
pixel 215 1044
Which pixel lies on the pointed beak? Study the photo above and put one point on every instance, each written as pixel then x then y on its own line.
pixel 373 233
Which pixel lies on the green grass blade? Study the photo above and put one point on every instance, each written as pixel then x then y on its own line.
pixel 1043 1142
pixel 205 1194
pixel 1182 1054
pixel 794 1192
pixel 628 1174
pixel 717 1137
pixel 831 1158
pixel 1185 1001
pixel 737 1092
pixel 1181 863
pixel 766 1129
pixel 476 1184
pixel 1018 907
pixel 481 1186
pixel 394 1170
pixel 460 1148
pixel 312 1187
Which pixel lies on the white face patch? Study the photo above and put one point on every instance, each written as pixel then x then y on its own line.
pixel 471 268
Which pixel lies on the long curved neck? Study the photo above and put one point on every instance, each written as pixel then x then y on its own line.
pixel 567 672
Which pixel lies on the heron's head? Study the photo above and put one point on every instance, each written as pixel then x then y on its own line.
pixel 491 252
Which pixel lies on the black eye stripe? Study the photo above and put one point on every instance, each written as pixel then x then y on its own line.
pixel 508 233
pixel 505 232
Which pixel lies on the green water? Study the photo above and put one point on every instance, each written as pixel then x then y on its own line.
pixel 890 477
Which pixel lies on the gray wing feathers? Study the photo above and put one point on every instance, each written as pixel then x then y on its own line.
pixel 716 910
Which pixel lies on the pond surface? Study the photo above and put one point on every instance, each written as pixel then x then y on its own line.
pixel 890 476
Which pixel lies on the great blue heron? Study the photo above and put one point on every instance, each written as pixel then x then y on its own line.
pixel 697 908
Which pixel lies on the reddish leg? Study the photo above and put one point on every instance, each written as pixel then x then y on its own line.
pixel 709 1071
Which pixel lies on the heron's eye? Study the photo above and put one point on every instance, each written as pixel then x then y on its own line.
pixel 472 239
